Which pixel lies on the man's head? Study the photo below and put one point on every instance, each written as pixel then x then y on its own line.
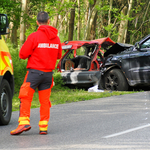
pixel 43 18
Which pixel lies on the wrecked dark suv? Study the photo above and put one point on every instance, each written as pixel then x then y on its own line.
pixel 126 65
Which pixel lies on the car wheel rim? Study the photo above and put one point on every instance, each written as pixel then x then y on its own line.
pixel 112 82
pixel 4 103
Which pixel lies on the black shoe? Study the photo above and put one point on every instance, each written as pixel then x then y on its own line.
pixel 43 132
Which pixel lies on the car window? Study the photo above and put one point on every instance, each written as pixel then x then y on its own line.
pixel 80 51
pixel 146 44
pixel 70 54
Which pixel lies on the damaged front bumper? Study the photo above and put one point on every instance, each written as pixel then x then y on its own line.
pixel 81 77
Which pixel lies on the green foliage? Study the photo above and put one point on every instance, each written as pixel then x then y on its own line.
pixel 109 27
pixel 138 25
pixel 33 25
pixel 19 67
pixel 11 8
pixel 58 82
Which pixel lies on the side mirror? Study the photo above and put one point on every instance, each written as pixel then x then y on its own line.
pixel 137 46
pixel 4 25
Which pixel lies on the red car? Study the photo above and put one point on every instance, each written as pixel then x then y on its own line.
pixel 81 63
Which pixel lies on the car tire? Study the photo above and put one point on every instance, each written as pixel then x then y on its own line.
pixel 5 103
pixel 115 80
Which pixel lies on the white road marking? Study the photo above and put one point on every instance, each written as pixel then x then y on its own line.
pixel 126 131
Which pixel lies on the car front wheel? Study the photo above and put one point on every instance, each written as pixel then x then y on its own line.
pixel 5 103
pixel 115 80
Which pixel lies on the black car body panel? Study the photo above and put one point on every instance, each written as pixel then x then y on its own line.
pixel 133 61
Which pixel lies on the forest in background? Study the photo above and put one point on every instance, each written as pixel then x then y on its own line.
pixel 125 21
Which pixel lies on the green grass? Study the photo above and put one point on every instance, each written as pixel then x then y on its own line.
pixel 66 95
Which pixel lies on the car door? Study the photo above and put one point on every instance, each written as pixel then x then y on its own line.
pixel 82 75
pixel 140 63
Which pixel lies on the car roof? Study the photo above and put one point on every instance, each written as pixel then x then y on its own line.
pixel 77 44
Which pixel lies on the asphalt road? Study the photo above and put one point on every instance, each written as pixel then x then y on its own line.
pixel 113 123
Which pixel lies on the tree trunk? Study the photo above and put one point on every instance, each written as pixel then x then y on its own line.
pixel 86 14
pixel 101 24
pixel 14 36
pixel 109 16
pixel 22 22
pixel 93 27
pixel 42 6
pixel 124 24
pixel 143 21
pixel 58 9
pixel 87 27
pixel 71 24
pixel 91 24
pixel 13 28
pixel 78 32
pixel 55 21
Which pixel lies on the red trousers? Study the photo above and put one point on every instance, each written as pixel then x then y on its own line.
pixel 43 81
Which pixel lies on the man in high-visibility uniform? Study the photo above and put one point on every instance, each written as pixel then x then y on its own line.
pixel 42 48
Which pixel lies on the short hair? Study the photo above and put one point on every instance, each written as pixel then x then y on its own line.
pixel 42 17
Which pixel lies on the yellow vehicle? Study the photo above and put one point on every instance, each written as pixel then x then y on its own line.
pixel 6 75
